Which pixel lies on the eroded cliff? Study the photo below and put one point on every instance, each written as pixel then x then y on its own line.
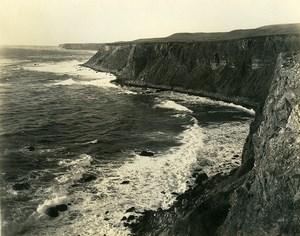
pixel 235 70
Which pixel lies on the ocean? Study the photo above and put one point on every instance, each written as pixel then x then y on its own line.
pixel 69 136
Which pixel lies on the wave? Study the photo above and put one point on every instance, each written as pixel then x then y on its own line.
pixel 76 168
pixel 150 183
pixel 57 200
pixel 84 76
pixel 59 192
pixel 55 195
pixel 91 142
pixel 192 99
pixel 173 105
pixel 6 61
pixel 66 82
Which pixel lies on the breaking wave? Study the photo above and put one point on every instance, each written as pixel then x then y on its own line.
pixel 173 105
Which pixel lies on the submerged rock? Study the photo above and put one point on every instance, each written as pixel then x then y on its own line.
pixel 62 207
pixel 31 148
pixel 130 218
pixel 146 153
pixel 87 178
pixel 131 209
pixel 201 177
pixel 21 186
pixel 52 212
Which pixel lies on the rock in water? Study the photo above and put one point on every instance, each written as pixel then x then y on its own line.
pixel 146 153
pixel 87 178
pixel 52 211
pixel 62 207
pixel 21 186
pixel 131 209
pixel 201 177
pixel 130 218
pixel 31 148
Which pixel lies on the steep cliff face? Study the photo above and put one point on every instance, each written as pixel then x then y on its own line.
pixel 268 202
pixel 237 70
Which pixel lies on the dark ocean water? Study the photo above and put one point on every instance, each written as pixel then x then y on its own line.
pixel 81 124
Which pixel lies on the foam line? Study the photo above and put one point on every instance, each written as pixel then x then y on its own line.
pixel 203 100
pixel 173 105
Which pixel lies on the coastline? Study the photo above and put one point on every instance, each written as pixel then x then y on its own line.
pixel 266 71
pixel 242 101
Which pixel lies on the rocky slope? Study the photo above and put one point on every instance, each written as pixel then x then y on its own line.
pixel 262 196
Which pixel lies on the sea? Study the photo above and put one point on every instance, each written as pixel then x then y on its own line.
pixel 70 136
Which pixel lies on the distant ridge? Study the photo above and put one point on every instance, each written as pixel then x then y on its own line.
pixel 282 29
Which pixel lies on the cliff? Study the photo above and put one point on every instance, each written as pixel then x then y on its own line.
pixel 234 70
pixel 262 196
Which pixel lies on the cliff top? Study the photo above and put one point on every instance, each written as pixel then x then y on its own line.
pixel 235 34
pixel 282 29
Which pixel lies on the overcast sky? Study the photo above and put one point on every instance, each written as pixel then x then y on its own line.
pixel 50 22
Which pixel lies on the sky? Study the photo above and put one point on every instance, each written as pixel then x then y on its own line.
pixel 51 22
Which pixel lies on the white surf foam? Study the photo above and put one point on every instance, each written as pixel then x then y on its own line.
pixel 223 145
pixel 151 183
pixel 203 100
pixel 58 194
pixel 173 105
pixel 57 200
pixel 80 75
pixel 91 142
pixel 76 168
pixel 66 82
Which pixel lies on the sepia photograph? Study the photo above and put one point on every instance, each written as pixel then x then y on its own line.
pixel 149 117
